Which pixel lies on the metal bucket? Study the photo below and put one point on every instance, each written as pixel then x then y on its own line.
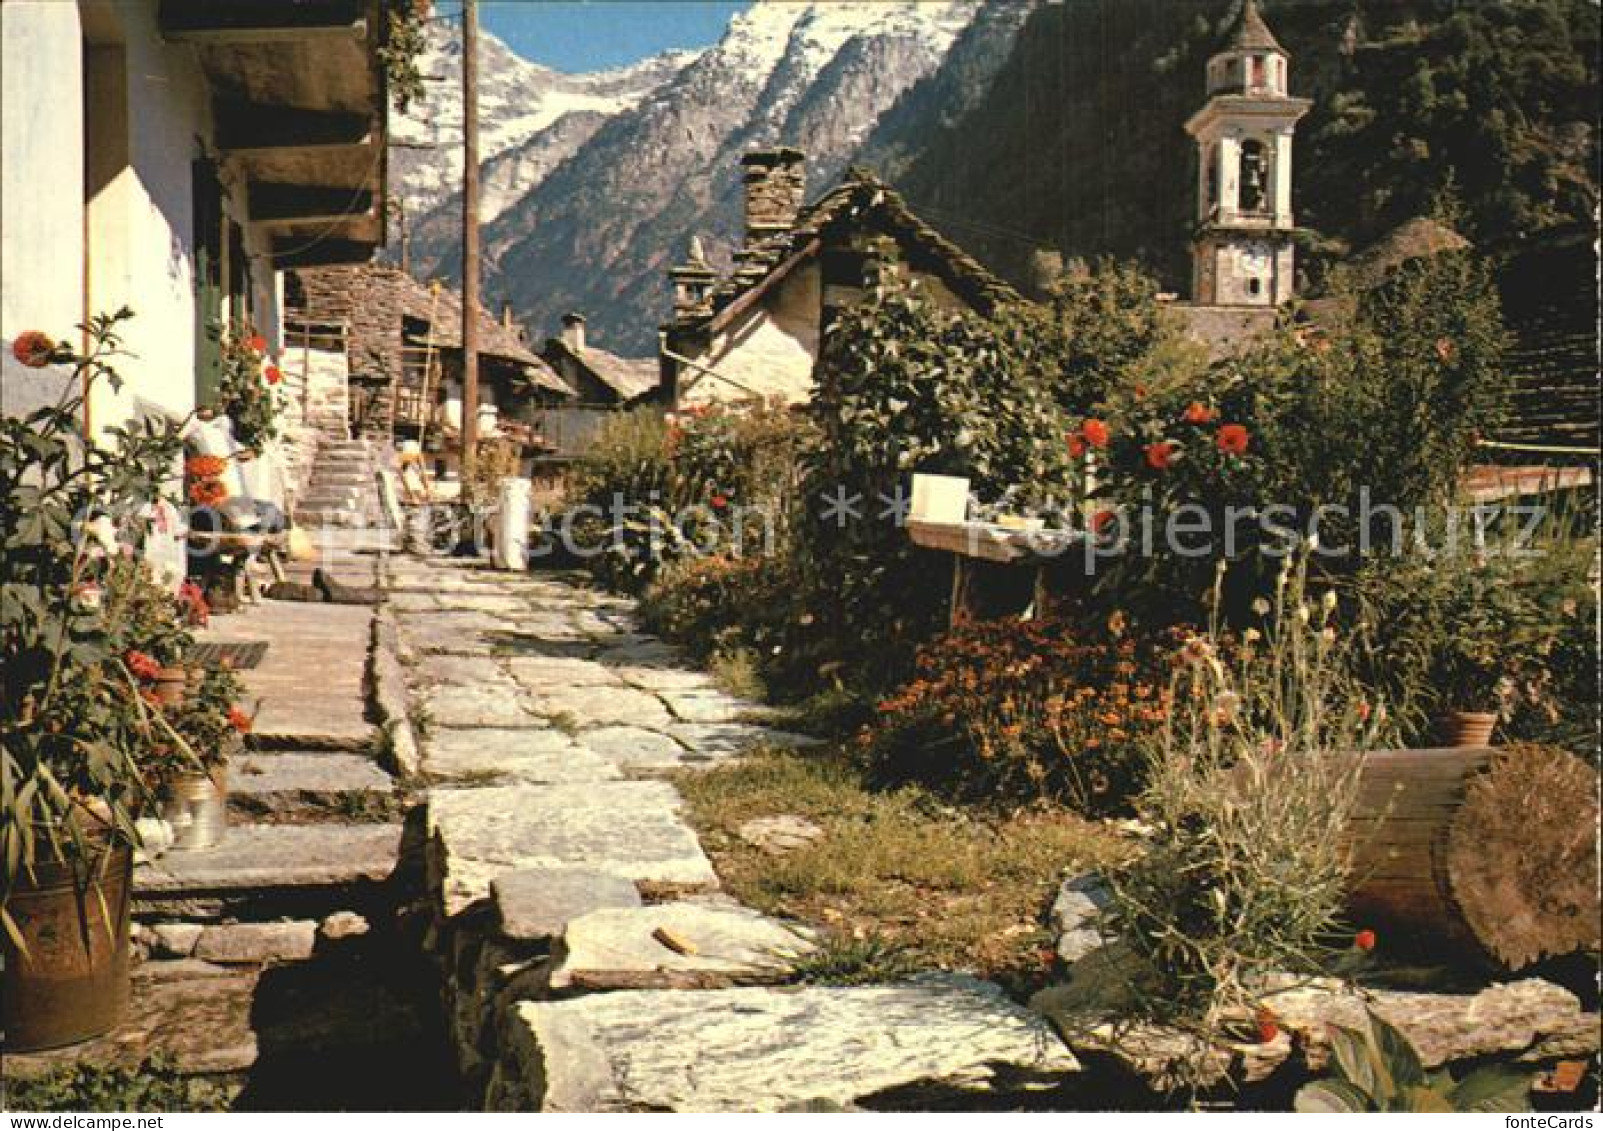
pixel 197 809
pixel 69 980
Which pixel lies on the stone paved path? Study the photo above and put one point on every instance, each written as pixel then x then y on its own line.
pixel 590 960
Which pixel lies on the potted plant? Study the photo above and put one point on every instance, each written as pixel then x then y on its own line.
pixel 74 716
pixel 188 771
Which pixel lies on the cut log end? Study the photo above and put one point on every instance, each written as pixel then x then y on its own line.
pixel 1522 856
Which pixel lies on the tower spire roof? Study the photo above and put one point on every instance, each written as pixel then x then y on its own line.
pixel 1251 33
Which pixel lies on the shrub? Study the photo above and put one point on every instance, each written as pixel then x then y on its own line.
pixel 907 386
pixel 1028 709
pixel 715 480
pixel 1251 784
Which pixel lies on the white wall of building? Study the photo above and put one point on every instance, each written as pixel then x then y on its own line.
pixel 769 352
pixel 41 177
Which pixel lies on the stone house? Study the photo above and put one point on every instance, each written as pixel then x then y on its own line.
pixel 755 334
pixel 174 157
pixel 401 345
pixel 603 381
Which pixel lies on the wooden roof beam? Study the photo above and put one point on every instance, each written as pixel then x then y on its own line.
pixel 244 128
pixel 278 204
pixel 239 22
pixel 288 254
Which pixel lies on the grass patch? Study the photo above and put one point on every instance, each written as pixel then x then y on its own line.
pixel 895 871
pixel 154 1085
pixel 737 673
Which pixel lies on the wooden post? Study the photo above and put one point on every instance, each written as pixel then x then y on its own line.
pixel 470 239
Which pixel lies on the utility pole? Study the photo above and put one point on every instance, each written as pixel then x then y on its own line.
pixel 470 239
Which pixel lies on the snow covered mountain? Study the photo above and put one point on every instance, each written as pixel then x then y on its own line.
pixel 586 211
pixel 519 104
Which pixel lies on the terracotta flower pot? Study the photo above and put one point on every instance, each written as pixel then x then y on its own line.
pixel 68 982
pixel 1467 728
pixel 170 685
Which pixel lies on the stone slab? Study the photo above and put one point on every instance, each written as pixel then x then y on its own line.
pixel 626 948
pixel 594 707
pixel 779 834
pixel 714 742
pixel 536 906
pixel 706 706
pixel 463 671
pixel 257 943
pixel 630 829
pixel 473 706
pixel 1079 903
pixel 277 856
pixel 664 679
pixel 766 1049
pixel 634 750
pixel 261 773
pixel 538 673
pixel 529 754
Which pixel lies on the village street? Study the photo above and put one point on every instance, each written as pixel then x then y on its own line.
pixel 560 864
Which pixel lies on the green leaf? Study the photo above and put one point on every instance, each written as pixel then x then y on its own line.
pixel 1357 1063
pixel 1496 1088
pixel 1331 1097
pixel 1398 1054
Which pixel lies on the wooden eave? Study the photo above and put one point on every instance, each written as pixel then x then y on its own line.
pixel 299 101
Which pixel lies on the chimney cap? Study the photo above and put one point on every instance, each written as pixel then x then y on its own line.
pixel 779 155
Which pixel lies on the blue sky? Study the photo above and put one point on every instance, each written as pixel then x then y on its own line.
pixel 588 35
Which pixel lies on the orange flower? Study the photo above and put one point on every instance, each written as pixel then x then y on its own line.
pixel 207 492
pixel 1159 455
pixel 1364 940
pixel 33 349
pixel 205 467
pixel 719 502
pixel 1232 439
pixel 273 374
pixel 257 343
pixel 1095 432
pixel 1076 445
pixel 239 720
pixel 1268 1024
pixel 1197 413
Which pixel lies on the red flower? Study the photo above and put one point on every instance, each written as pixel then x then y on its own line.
pixel 1364 940
pixel 257 343
pixel 1095 432
pixel 1197 413
pixel 142 665
pixel 273 374
pixel 33 349
pixel 1268 1024
pixel 1159 455
pixel 1101 520
pixel 1076 445
pixel 1140 392
pixel 239 720
pixel 1232 439
pixel 207 492
pixel 1363 712
pixel 719 502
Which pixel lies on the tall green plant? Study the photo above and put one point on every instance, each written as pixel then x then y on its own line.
pixel 72 719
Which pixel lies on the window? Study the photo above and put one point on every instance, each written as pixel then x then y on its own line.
pixel 1254 176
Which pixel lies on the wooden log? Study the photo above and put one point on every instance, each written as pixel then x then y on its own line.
pixel 1490 853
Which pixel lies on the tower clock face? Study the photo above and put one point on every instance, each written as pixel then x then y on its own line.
pixel 1257 258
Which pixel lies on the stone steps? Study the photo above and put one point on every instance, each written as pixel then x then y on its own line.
pixel 262 870
pixel 302 787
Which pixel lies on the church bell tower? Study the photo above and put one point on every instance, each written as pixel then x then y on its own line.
pixel 1242 253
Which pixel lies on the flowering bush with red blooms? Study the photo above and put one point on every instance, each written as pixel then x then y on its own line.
pixel 247 390
pixel 207 492
pixel 199 734
pixel 205 467
pixel 192 602
pixel 1029 709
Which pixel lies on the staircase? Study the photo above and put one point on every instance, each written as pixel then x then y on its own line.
pixel 343 490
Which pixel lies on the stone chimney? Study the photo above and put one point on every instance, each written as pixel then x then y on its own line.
pixel 692 282
pixel 776 189
pixel 573 332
